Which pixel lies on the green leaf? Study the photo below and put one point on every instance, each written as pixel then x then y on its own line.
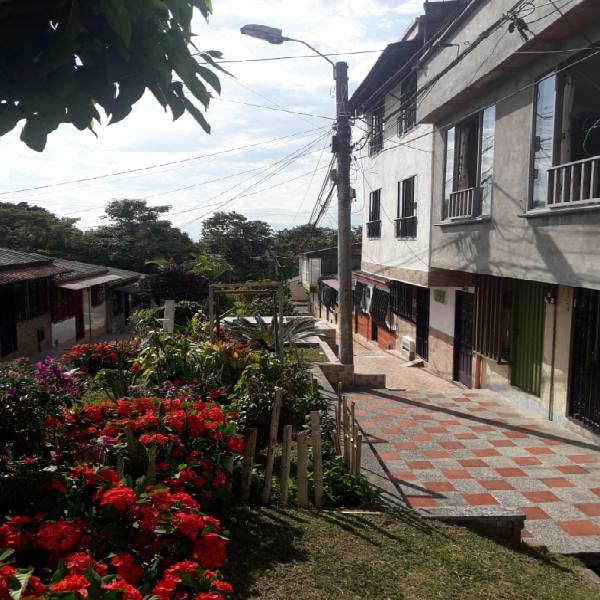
pixel 209 77
pixel 22 579
pixel 35 133
pixel 5 554
pixel 197 115
pixel 117 17
pixel 130 91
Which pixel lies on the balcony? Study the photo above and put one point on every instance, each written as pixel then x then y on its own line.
pixel 574 183
pixel 374 229
pixel 406 227
pixel 465 204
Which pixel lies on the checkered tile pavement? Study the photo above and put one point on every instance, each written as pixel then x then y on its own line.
pixel 452 449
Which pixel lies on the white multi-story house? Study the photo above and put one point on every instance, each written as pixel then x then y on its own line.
pixel 401 301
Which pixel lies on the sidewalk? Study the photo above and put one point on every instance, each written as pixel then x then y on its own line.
pixel 448 447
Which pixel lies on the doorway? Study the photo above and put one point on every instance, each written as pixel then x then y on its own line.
pixel 584 387
pixel 373 330
pixel 423 323
pixel 463 339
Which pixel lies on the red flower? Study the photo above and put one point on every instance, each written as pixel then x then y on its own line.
pixel 156 438
pixel 121 498
pixel 59 536
pixel 35 589
pixel 185 499
pixel 8 537
pixel 148 517
pixel 166 587
pixel 210 550
pixel 222 586
pixel 78 562
pixel 77 584
pixel 208 596
pixel 236 444
pixel 188 525
pixel 127 568
pixel 129 592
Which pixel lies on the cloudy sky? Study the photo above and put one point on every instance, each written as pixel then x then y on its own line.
pixel 277 181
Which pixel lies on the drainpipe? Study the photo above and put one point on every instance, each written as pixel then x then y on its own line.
pixel 552 361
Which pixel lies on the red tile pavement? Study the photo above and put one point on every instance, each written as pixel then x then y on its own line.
pixel 456 449
pixel 592 510
pixel 480 499
pixel 541 497
pixel 533 513
pixel 579 527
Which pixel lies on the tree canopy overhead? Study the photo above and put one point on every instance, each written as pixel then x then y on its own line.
pixel 62 59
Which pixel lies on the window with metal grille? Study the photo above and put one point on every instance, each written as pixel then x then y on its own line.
pixel 31 299
pixel 374 223
pixel 357 295
pixel 403 300
pixel 493 319
pixel 376 122
pixel 407 118
pixel 406 212
pixel 380 306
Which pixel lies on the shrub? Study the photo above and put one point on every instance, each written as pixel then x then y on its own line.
pixel 29 396
pixel 91 358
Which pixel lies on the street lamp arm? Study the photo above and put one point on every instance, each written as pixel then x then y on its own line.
pixel 289 39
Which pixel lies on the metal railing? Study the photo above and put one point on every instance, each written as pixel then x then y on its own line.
pixel 406 227
pixel 374 229
pixel 465 203
pixel 574 182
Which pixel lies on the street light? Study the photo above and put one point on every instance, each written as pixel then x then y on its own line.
pixel 341 146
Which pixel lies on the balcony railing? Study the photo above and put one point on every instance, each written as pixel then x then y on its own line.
pixel 406 227
pixel 374 229
pixel 465 203
pixel 574 182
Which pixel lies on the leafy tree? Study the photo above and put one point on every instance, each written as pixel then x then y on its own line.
pixel 289 243
pixel 34 229
pixel 175 282
pixel 246 245
pixel 135 233
pixel 63 59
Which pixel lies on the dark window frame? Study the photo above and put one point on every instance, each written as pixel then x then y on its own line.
pixel 406 209
pixel 403 300
pixel 374 222
pixel 376 130
pixel 407 118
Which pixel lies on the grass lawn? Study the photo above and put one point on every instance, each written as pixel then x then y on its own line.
pixel 312 354
pixel 302 555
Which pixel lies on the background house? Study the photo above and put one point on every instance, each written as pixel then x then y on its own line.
pixel 401 300
pixel 25 287
pixel 89 301
pixel 317 264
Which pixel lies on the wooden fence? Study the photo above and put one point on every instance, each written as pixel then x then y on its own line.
pixel 346 439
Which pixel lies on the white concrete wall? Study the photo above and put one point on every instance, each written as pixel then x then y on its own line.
pixel 403 157
pixel 98 315
pixel 442 315
pixel 63 331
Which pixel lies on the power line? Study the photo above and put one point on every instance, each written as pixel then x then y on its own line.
pixel 156 166
pixel 285 110
pixel 271 58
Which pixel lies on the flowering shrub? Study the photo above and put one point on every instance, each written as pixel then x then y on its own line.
pixel 107 539
pixel 90 358
pixel 29 396
pixel 204 364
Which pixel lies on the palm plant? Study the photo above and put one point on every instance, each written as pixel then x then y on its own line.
pixel 264 334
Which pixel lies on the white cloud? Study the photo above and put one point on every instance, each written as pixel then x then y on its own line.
pixel 149 136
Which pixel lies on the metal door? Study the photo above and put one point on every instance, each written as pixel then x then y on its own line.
pixel 463 339
pixel 584 389
pixel 528 336
pixel 423 323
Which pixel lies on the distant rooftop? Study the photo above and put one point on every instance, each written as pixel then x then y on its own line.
pixel 11 259
pixel 79 270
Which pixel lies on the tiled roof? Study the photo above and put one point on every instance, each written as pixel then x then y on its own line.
pixel 11 259
pixel 29 272
pixel 79 270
